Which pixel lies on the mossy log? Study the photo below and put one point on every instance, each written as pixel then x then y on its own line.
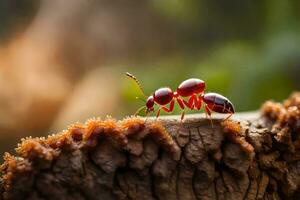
pixel 252 156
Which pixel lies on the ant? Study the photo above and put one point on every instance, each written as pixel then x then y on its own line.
pixel 193 89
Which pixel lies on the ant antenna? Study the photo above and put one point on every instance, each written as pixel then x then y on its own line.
pixel 136 81
pixel 143 100
pixel 139 110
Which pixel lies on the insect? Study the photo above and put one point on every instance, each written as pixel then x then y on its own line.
pixel 192 89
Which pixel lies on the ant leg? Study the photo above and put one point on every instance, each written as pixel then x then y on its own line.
pixel 180 102
pixel 196 102
pixel 230 114
pixel 208 112
pixel 158 113
pixel 171 108
pixel 199 101
pixel 182 116
pixel 193 102
pixel 227 117
pixel 168 110
pixel 199 104
pixel 190 103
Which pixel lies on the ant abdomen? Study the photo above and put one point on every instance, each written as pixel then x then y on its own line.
pixel 218 103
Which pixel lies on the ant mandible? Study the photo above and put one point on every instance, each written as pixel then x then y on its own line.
pixel 193 89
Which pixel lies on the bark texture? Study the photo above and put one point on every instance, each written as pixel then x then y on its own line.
pixel 241 159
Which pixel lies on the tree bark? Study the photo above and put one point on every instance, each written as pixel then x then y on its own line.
pixel 251 156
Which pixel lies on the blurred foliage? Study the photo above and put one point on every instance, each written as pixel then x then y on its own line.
pixel 246 50
pixel 253 55
pixel 15 15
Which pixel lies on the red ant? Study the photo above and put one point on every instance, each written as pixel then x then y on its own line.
pixel 193 89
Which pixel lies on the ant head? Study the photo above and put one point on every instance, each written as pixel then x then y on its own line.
pixel 150 104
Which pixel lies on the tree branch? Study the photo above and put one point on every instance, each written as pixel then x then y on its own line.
pixel 254 156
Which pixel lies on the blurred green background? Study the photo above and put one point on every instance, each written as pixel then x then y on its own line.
pixel 65 61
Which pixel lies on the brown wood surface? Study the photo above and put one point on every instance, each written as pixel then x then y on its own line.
pixel 252 156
